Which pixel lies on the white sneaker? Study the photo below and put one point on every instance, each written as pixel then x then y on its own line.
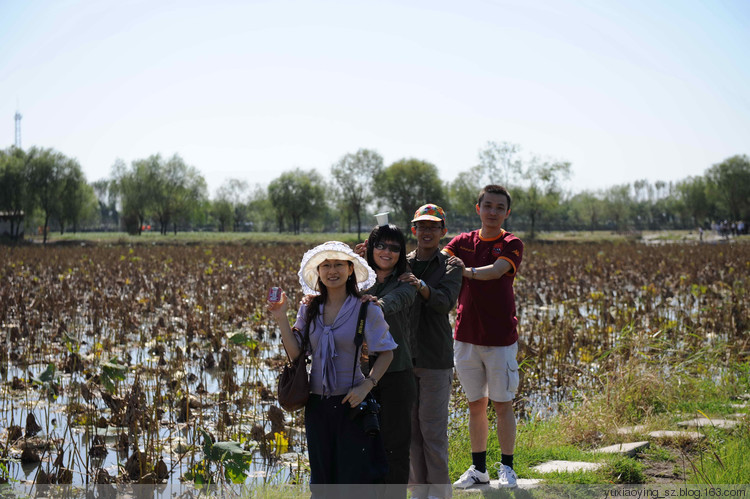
pixel 506 476
pixel 472 477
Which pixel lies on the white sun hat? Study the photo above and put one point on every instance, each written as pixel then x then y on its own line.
pixel 332 250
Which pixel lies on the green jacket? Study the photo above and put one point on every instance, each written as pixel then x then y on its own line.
pixel 396 298
pixel 431 332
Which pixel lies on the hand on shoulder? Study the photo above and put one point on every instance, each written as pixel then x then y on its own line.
pixel 369 298
pixel 361 249
pixel 454 260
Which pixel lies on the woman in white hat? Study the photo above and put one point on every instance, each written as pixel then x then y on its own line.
pixel 339 449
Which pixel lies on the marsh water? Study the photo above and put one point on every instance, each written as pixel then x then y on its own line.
pixel 124 356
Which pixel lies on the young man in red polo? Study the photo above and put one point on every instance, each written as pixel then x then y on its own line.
pixel 486 338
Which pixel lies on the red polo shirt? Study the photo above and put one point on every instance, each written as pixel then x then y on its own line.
pixel 486 313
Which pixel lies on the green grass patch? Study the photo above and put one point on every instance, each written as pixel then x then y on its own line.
pixel 723 459
pixel 536 442
pixel 638 394
pixel 658 453
pixel 625 470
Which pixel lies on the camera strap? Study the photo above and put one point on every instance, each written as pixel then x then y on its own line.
pixel 359 335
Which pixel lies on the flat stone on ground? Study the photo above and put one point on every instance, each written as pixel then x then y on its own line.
pixel 523 483
pixel 566 466
pixel 668 434
pixel 701 422
pixel 529 483
pixel 629 449
pixel 739 406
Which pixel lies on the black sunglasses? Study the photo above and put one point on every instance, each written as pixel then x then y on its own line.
pixel 395 248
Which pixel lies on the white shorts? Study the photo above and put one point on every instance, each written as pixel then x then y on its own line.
pixel 487 371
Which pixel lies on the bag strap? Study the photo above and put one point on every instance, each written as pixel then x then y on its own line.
pixel 305 343
pixel 359 335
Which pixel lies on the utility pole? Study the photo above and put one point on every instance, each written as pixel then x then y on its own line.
pixel 18 129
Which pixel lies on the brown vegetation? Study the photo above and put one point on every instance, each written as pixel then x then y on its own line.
pixel 149 344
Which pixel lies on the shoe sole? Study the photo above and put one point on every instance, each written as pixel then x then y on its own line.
pixel 470 485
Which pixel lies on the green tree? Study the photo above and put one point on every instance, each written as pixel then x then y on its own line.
pixel 588 209
pixel 134 187
pixel 543 190
pixel 462 197
pixel 187 192
pixel 46 172
pixel 177 190
pixel 693 194
pixel 170 190
pixel 106 197
pixel 260 211
pixel 354 174
pixel 407 184
pixel 230 208
pixel 665 208
pixel 160 189
pixel 643 203
pixel 221 210
pixel 618 207
pixel 78 200
pixel 729 182
pixel 296 196
pixel 499 162
pixel 14 190
pixel 343 212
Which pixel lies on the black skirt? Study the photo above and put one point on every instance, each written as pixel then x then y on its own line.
pixel 340 452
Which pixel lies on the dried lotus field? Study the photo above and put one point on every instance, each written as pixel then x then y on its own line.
pixel 157 363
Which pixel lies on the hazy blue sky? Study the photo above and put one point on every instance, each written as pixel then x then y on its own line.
pixel 624 90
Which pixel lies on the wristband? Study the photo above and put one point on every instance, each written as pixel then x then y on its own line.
pixel 421 284
pixel 473 273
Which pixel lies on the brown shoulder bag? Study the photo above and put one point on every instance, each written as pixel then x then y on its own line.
pixel 294 382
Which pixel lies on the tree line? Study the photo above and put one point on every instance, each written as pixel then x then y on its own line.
pixel 49 192
pixel 45 183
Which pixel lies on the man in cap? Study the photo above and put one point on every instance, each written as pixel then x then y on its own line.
pixel 438 285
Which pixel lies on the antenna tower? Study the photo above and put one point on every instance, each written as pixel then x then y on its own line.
pixel 18 129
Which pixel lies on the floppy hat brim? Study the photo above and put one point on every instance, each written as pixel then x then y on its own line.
pixel 332 250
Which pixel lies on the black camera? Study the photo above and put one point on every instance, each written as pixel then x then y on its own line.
pixel 367 412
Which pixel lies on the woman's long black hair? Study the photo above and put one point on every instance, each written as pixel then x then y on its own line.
pixel 387 233
pixel 313 310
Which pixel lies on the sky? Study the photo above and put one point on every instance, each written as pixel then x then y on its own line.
pixel 246 89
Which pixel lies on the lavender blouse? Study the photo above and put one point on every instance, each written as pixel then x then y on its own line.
pixel 333 350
